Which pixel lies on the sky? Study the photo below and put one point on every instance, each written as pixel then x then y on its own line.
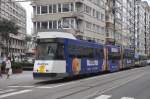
pixel 29 11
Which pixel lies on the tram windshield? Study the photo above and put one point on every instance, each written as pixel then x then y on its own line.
pixel 50 51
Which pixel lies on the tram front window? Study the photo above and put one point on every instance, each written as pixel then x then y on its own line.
pixel 50 51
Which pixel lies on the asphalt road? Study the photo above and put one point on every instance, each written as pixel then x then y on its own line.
pixel 128 84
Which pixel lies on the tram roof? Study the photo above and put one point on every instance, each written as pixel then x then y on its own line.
pixel 42 35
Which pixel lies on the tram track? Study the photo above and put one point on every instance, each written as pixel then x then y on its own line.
pixel 85 87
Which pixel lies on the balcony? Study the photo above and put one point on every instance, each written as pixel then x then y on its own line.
pixel 109 25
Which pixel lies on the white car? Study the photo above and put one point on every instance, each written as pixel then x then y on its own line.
pixel 148 61
pixel 31 60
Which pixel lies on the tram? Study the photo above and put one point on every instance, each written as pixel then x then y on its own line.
pixel 128 58
pixel 113 61
pixel 60 55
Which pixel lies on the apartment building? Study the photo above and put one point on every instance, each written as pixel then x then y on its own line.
pixel 15 12
pixel 113 20
pixel 149 34
pixel 146 27
pixel 142 27
pixel 83 18
pixel 120 22
pixel 128 24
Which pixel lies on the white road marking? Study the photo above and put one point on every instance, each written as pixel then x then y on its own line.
pixel 103 97
pixel 6 91
pixel 14 93
pixel 127 98
pixel 21 86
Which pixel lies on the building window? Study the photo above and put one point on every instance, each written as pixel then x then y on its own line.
pixel 44 9
pixel 50 25
pixel 44 25
pixel 102 17
pixel 88 10
pixel 98 29
pixel 59 24
pixel 34 10
pixel 38 10
pixel 50 8
pixel 35 26
pixel 38 25
pixel 59 8
pixel 94 27
pixel 94 12
pixel 72 23
pixel 54 8
pixel 88 25
pixel 97 15
pixel 54 24
pixel 72 7
pixel 65 7
pixel 66 23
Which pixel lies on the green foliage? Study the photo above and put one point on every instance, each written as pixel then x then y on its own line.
pixel 27 64
pixel 20 65
pixel 16 65
pixel 28 38
pixel 7 27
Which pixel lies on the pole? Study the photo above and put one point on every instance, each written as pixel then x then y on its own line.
pixel 134 27
pixel 145 32
pixel 114 26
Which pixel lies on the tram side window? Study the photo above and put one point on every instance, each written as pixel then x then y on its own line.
pixel 89 52
pixel 114 56
pixel 99 52
pixel 81 51
pixel 128 55
pixel 60 52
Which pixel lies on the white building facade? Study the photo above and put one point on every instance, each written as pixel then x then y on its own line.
pixel 83 18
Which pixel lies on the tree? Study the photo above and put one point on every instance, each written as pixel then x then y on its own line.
pixel 28 38
pixel 7 27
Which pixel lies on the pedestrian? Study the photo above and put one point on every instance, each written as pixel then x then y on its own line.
pixel 8 67
pixel 0 68
pixel 1 61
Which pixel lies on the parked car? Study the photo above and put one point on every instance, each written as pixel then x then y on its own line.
pixel 148 61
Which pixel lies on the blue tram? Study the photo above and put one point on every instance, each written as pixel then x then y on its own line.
pixel 113 59
pixel 62 57
pixel 59 57
pixel 83 57
pixel 128 58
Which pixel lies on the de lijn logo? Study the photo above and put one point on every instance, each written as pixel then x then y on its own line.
pixel 76 67
pixel 42 69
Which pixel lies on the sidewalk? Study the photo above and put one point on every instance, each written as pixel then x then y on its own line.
pixel 16 79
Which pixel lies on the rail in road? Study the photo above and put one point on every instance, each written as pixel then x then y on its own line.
pixel 87 88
